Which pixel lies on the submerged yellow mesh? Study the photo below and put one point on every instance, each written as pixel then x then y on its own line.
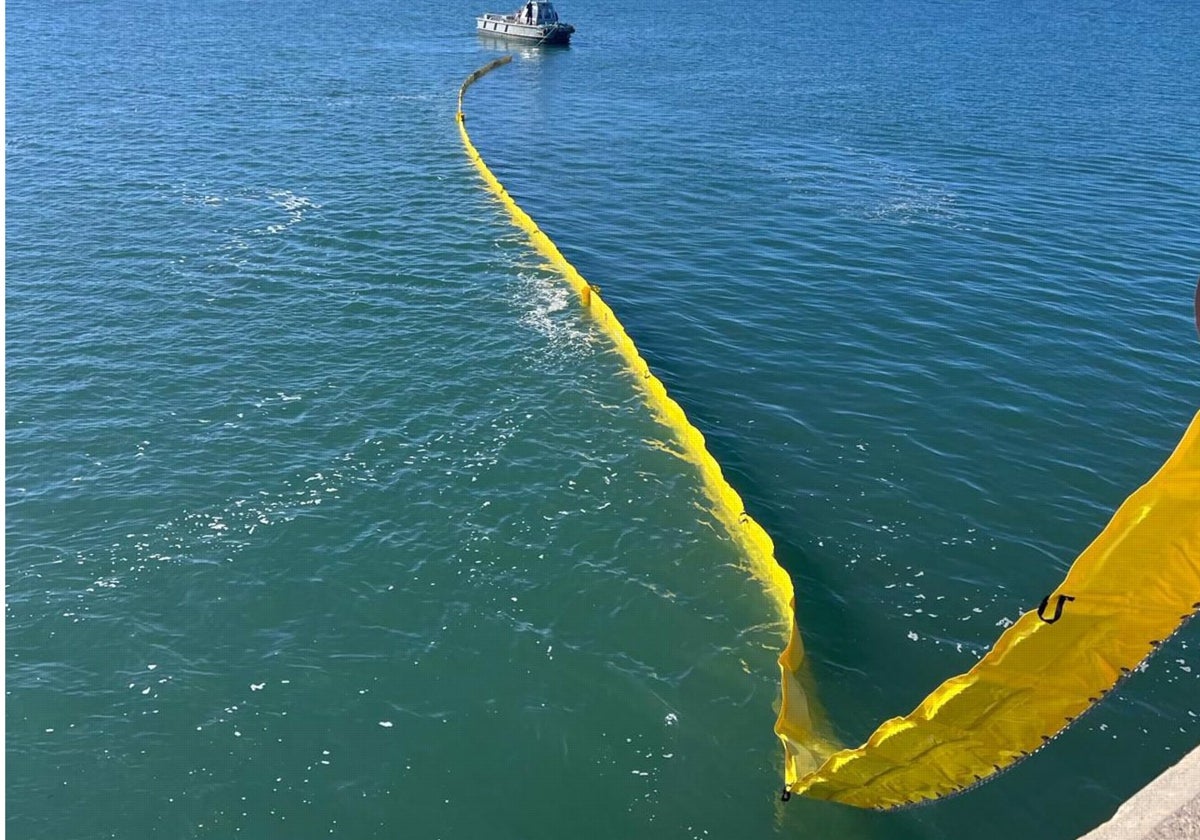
pixel 1128 591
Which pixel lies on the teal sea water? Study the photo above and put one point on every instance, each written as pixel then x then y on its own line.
pixel 330 515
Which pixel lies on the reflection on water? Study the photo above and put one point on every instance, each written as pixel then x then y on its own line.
pixel 520 48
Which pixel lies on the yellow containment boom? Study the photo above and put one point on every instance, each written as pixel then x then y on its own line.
pixel 1131 589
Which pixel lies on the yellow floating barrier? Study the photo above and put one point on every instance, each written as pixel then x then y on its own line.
pixel 1131 588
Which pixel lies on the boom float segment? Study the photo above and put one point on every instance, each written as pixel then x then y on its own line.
pixel 1131 589
pixel 799 725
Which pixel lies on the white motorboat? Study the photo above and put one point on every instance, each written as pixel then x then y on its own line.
pixel 536 22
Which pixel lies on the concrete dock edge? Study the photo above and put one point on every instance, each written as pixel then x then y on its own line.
pixel 1166 809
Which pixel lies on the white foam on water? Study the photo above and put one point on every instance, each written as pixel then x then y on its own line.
pixel 548 308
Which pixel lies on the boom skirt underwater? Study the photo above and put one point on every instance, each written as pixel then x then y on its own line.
pixel 1133 587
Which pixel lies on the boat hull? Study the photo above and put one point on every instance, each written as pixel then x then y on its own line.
pixel 505 26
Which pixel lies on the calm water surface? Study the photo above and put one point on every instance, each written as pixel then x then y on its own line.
pixel 329 515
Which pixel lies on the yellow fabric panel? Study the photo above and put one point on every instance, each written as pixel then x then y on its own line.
pixel 1131 588
pixel 1127 592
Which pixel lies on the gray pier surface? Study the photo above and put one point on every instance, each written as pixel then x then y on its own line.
pixel 1166 809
